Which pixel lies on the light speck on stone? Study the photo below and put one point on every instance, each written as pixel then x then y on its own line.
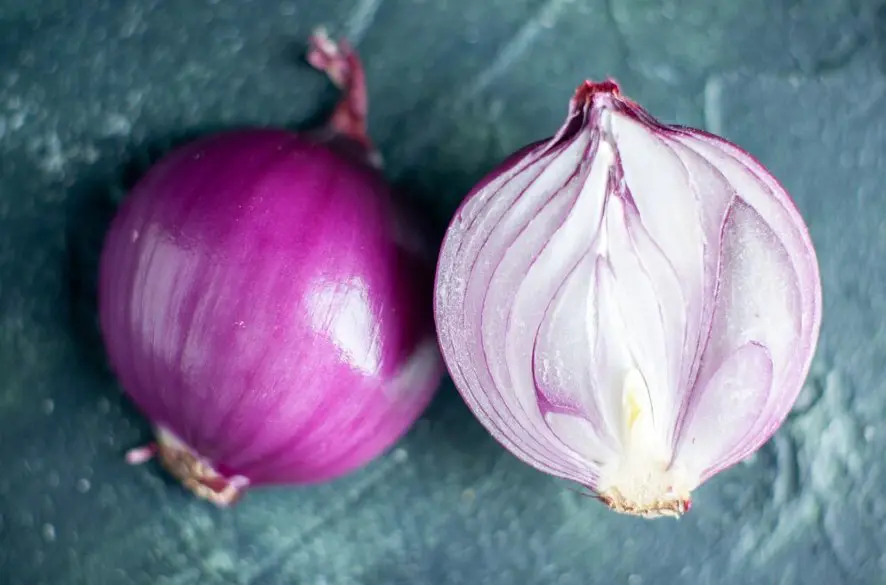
pixel 713 114
pixel 107 497
pixel 117 125
pixel 89 154
pixel 219 561
pixel 104 406
pixel 48 406
pixel 131 24
pixel 17 121
pixel 52 156
pixel 48 532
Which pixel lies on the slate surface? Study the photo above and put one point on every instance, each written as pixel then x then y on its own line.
pixel 92 91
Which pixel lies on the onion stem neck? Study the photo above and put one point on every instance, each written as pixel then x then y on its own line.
pixel 342 66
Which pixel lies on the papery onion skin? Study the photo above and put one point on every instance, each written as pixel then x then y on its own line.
pixel 629 305
pixel 266 303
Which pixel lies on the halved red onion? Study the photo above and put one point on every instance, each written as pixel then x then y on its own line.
pixel 267 303
pixel 629 305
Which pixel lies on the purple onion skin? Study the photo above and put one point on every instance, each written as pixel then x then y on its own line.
pixel 257 300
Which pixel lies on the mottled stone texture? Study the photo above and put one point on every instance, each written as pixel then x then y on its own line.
pixel 91 92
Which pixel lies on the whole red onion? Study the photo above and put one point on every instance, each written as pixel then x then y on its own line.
pixel 267 305
pixel 629 305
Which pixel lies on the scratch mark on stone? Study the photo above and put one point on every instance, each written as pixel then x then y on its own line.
pixel 792 521
pixel 119 543
pixel 520 42
pixel 844 565
pixel 713 105
pixel 786 484
pixel 361 19
pixel 186 577
pixel 789 574
pixel 258 571
pixel 842 58
pixel 812 391
pixel 623 44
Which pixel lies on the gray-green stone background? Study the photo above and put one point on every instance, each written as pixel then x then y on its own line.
pixel 92 91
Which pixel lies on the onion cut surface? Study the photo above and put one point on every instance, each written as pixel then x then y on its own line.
pixel 629 305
